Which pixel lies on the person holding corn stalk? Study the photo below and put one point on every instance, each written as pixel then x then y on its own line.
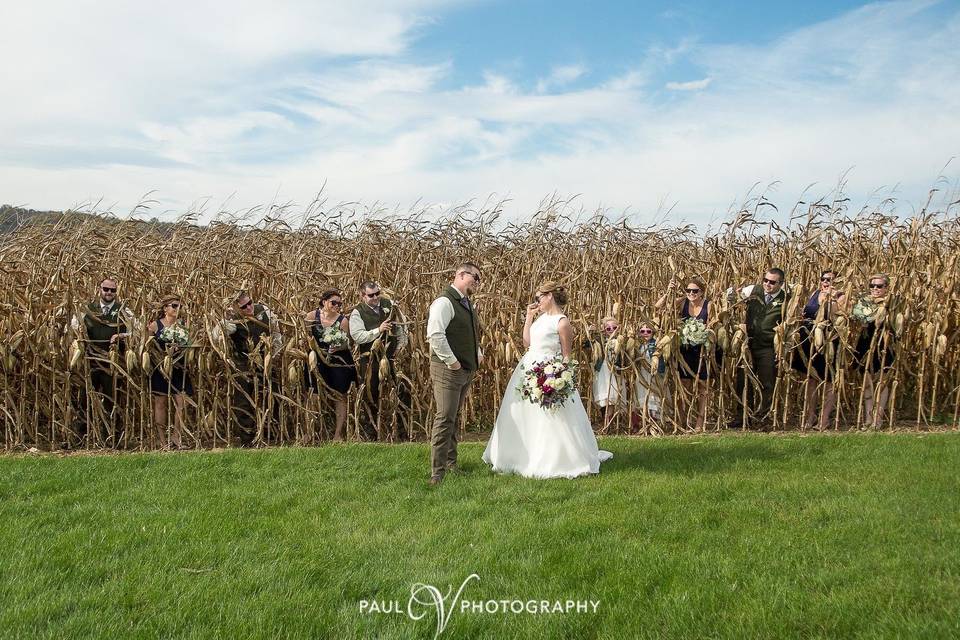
pixel 377 327
pixel 698 363
pixel 609 389
pixel 106 323
pixel 818 339
pixel 330 330
pixel 253 336
pixel 875 351
pixel 766 305
pixel 169 379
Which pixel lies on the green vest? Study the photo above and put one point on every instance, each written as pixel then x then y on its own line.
pixel 371 320
pixel 763 318
pixel 463 332
pixel 247 336
pixel 100 328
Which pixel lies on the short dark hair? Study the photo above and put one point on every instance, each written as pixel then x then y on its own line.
pixel 779 272
pixel 329 293
pixel 467 265
pixel 240 296
pixel 826 271
pixel 110 278
pixel 369 284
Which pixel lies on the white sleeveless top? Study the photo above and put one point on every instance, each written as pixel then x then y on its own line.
pixel 544 337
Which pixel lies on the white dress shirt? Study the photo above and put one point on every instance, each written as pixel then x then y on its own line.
pixel 360 334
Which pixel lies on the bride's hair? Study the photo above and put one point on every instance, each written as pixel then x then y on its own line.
pixel 559 292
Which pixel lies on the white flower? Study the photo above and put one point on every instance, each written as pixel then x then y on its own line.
pixel 558 383
pixel 536 393
pixel 567 376
pixel 549 369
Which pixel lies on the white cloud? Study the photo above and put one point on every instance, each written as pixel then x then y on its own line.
pixel 193 107
pixel 693 85
pixel 561 77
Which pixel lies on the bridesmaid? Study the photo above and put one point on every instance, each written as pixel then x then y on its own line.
pixel 165 329
pixel 696 368
pixel 334 359
pixel 875 351
pixel 813 364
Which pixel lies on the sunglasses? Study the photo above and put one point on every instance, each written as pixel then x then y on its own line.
pixel 373 295
pixel 693 290
pixel 174 305
pixel 475 277
pixel 248 303
pixel 769 281
pixel 610 329
pixel 878 285
pixel 646 332
pixel 826 279
pixel 109 289
pixel 336 303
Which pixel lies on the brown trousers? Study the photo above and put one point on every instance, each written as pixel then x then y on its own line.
pixel 450 389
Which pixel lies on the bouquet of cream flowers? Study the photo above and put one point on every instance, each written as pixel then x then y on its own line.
pixel 693 332
pixel 335 337
pixel 549 383
pixel 865 310
pixel 175 335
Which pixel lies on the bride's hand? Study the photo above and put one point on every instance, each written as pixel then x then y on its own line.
pixel 532 309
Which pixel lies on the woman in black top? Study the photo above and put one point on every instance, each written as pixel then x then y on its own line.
pixel 330 331
pixel 811 360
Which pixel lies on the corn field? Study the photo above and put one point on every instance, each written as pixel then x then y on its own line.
pixel 49 271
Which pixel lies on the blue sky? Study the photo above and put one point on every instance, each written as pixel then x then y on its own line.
pixel 630 106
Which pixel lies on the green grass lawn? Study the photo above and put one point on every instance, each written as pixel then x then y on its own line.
pixel 737 536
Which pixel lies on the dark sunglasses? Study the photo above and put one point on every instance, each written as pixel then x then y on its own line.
pixel 878 285
pixel 693 290
pixel 248 303
pixel 336 303
pixel 473 275
pixel 769 281
pixel 373 295
pixel 174 305
pixel 109 289
pixel 826 279
pixel 610 329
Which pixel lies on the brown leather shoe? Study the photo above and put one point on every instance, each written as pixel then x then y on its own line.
pixel 435 480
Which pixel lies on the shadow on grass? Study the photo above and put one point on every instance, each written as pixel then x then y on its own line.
pixel 693 457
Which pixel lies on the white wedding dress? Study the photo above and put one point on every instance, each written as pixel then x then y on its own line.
pixel 539 443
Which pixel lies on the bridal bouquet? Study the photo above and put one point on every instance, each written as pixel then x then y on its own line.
pixel 693 332
pixel 865 310
pixel 549 383
pixel 335 337
pixel 175 335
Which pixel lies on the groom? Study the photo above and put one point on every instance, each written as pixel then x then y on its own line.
pixel 454 334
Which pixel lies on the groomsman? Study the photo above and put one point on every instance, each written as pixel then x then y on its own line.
pixel 766 307
pixel 252 331
pixel 376 328
pixel 106 322
pixel 453 331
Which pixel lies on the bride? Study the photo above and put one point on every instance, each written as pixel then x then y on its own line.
pixel 528 439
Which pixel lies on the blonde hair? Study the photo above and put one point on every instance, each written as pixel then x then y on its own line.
pixel 559 292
